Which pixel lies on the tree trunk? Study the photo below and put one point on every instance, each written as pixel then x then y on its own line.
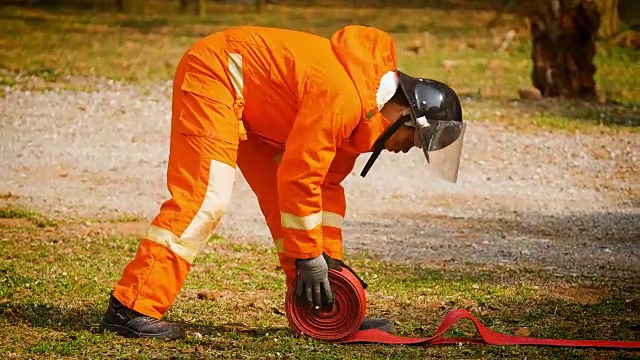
pixel 202 10
pixel 563 35
pixel 130 6
pixel 610 21
pixel 184 4
pixel 259 5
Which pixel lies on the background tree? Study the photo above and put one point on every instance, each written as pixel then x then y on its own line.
pixel 563 35
pixel 609 19
pixel 130 6
pixel 202 8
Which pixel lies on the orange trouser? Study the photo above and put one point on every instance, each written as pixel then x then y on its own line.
pixel 200 176
pixel 204 148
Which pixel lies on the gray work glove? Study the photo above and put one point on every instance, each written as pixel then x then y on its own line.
pixel 313 282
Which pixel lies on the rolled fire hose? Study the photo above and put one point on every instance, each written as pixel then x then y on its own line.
pixel 341 323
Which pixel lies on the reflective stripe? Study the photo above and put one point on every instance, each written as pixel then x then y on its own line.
pixel 279 245
pixel 169 240
pixel 216 199
pixel 235 70
pixel 332 219
pixel 308 222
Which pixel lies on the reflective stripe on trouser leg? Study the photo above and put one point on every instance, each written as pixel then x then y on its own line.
pixel 257 161
pixel 200 177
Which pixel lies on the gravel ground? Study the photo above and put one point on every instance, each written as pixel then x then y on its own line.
pixel 565 202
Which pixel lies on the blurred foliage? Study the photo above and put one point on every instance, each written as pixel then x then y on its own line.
pixel 67 46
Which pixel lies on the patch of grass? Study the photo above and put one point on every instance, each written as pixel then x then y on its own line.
pixel 142 25
pixel 54 288
pixel 399 28
pixel 15 212
pixel 19 212
pixel 124 218
pixel 554 114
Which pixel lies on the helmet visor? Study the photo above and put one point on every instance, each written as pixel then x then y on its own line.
pixel 441 141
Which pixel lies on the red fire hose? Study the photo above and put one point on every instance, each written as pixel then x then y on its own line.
pixel 341 323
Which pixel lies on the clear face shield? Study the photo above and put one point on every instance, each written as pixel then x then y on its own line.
pixel 441 141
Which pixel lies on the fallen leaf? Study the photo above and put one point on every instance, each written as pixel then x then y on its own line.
pixel 234 326
pixel 435 305
pixel 208 295
pixel 198 348
pixel 523 331
pixel 277 311
pixel 7 195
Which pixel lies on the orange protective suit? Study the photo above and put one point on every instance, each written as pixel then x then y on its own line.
pixel 293 111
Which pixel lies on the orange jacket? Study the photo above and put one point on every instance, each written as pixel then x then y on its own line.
pixel 315 98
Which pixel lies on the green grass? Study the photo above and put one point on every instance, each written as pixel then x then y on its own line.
pixel 54 288
pixel 125 217
pixel 19 212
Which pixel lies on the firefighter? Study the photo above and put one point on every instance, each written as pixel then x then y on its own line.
pixel 292 111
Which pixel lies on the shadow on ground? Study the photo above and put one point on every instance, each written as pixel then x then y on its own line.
pixel 607 227
pixel 596 244
pixel 59 318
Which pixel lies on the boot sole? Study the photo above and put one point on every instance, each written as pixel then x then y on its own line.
pixel 128 333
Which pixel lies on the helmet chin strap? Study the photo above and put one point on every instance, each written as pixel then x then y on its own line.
pixel 378 146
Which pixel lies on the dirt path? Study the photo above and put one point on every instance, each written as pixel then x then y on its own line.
pixel 567 202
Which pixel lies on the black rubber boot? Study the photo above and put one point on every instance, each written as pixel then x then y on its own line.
pixel 132 324
pixel 385 325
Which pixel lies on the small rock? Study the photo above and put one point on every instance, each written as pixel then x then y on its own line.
pixel 529 93
pixel 448 64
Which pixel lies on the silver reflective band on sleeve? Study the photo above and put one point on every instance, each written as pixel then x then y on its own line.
pixel 332 219
pixel 308 222
pixel 235 70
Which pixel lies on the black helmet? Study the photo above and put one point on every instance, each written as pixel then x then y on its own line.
pixel 435 112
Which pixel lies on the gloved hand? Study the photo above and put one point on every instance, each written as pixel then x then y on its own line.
pixel 313 281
